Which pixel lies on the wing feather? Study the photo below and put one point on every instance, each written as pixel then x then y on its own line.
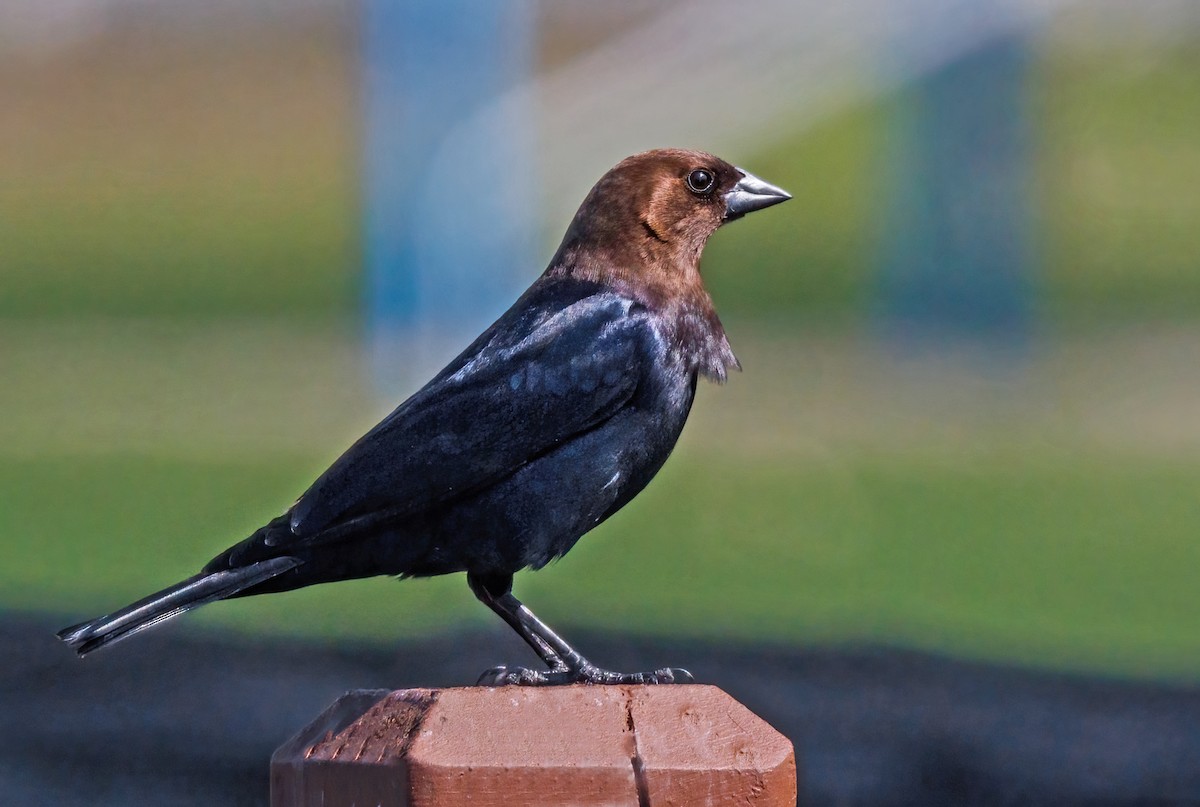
pixel 489 413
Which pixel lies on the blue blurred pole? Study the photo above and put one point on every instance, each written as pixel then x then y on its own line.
pixel 957 245
pixel 449 192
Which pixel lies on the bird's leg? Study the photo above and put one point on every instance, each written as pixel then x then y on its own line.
pixel 488 590
pixel 567 665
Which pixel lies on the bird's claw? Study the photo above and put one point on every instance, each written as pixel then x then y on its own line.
pixel 666 675
pixel 523 676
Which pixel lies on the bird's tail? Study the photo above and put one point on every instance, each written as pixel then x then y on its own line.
pixel 173 601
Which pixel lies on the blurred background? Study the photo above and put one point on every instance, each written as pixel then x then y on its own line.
pixel 233 235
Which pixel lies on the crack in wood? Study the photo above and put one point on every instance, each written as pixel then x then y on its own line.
pixel 639 764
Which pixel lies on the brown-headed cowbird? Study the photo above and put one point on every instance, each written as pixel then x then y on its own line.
pixel 553 419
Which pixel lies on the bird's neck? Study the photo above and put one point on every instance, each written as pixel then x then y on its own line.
pixel 670 287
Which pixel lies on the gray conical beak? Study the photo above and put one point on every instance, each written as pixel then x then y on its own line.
pixel 751 194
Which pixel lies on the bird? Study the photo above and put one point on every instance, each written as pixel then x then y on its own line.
pixel 552 420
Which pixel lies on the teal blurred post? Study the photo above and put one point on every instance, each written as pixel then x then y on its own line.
pixel 957 245
pixel 448 181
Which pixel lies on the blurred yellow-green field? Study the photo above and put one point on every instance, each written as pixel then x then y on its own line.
pixel 181 355
pixel 177 176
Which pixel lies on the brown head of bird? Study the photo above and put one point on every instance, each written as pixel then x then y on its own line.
pixel 641 231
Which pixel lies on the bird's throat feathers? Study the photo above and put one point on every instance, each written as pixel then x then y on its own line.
pixel 683 309
pixel 640 232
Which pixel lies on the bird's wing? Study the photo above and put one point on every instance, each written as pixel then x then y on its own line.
pixel 502 407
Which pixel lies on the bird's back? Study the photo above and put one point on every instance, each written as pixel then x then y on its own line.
pixel 600 400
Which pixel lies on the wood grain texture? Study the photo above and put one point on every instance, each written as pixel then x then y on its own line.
pixel 513 746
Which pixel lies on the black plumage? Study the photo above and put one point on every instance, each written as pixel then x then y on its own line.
pixel 550 422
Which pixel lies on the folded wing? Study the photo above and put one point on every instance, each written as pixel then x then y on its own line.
pixel 496 409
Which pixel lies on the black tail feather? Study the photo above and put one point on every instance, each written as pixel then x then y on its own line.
pixel 184 596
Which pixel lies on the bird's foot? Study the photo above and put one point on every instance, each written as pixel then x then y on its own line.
pixel 586 674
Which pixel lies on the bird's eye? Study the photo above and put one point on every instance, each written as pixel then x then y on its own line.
pixel 701 181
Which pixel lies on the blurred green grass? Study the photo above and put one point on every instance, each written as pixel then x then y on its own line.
pixel 131 452
pixel 1117 169
pixel 1055 561
pixel 242 200
pixel 181 176
pixel 1117 215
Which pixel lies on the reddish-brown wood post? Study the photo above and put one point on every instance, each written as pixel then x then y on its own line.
pixel 514 746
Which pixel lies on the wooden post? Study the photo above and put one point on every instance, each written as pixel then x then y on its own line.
pixel 513 746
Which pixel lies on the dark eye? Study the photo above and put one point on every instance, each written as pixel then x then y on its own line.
pixel 701 181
